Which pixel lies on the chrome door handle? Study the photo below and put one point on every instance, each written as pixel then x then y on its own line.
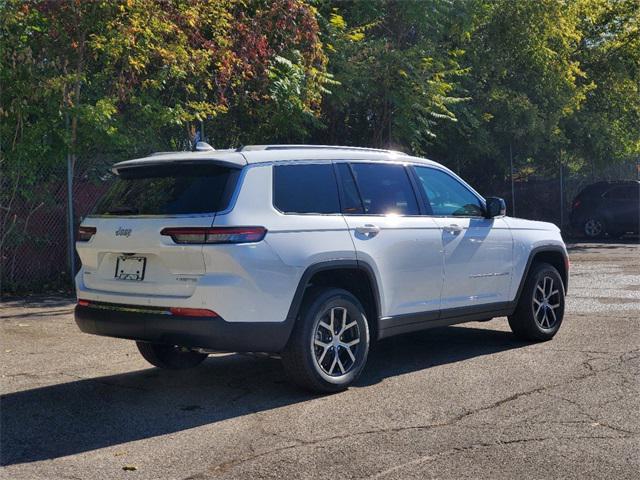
pixel 368 229
pixel 453 228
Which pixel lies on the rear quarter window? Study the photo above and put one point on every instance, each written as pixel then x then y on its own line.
pixel 308 188
pixel 175 189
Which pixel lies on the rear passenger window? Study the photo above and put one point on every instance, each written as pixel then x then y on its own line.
pixel 626 192
pixel 305 189
pixel 385 189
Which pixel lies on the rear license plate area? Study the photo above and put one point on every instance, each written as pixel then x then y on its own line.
pixel 130 268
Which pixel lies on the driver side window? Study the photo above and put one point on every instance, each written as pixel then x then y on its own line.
pixel 446 195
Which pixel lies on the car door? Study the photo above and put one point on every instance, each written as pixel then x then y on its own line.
pixel 478 252
pixel 393 237
pixel 623 205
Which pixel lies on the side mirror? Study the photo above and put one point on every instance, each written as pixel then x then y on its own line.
pixel 496 207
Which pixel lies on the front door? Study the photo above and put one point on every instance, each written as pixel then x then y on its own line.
pixel 402 246
pixel 478 252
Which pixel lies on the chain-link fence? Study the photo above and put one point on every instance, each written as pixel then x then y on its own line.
pixel 549 198
pixel 34 229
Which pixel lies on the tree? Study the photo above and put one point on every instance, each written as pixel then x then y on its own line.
pixel 607 127
pixel 398 71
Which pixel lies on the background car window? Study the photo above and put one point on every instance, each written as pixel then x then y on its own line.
pixel 626 192
pixel 446 195
pixel 305 189
pixel 385 189
pixel 351 201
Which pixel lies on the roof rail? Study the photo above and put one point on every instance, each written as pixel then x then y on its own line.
pixel 248 148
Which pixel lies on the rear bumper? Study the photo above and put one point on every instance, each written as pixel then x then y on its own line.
pixel 205 332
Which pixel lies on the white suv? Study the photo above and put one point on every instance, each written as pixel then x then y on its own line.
pixel 308 252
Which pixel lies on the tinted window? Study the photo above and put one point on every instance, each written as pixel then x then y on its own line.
pixel 626 192
pixel 385 189
pixel 169 190
pixel 446 195
pixel 305 189
pixel 351 201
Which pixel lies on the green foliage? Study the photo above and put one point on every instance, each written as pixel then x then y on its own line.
pixel 398 71
pixel 467 82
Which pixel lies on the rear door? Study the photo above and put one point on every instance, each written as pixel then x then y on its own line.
pixel 623 203
pixel 478 256
pixel 129 254
pixel 392 236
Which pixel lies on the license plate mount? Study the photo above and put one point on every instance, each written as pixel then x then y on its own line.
pixel 130 268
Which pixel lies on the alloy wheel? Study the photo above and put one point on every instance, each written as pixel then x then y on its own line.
pixel 335 342
pixel 546 300
pixel 593 227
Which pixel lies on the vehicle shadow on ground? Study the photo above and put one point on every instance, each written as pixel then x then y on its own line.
pixel 87 414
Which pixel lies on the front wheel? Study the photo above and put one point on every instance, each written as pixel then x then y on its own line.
pixel 329 344
pixel 170 356
pixel 540 309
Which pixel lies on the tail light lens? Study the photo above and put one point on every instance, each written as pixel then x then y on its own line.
pixel 576 204
pixel 85 234
pixel 215 235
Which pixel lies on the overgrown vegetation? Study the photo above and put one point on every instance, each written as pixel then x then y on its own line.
pixel 471 83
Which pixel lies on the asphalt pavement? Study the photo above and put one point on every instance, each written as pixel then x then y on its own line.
pixel 466 401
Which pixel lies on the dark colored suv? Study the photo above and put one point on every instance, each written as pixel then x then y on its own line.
pixel 611 208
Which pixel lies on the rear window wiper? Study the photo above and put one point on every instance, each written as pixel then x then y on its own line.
pixel 122 211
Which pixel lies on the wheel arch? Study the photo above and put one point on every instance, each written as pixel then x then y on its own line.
pixel 356 277
pixel 554 255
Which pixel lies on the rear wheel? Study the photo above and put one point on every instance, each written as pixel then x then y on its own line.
pixel 540 309
pixel 170 356
pixel 593 227
pixel 329 345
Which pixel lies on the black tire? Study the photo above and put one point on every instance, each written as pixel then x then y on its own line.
pixel 306 362
pixel 171 357
pixel 594 227
pixel 528 320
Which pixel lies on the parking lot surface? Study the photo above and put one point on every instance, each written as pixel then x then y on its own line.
pixel 459 402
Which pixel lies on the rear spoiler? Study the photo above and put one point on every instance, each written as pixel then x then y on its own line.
pixel 229 161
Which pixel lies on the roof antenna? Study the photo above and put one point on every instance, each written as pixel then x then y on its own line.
pixel 199 145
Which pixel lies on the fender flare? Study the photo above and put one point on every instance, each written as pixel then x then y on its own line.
pixel 311 270
pixel 532 254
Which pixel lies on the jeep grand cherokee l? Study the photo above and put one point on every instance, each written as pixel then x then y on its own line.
pixel 308 252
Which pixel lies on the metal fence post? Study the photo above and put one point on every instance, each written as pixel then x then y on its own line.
pixel 561 195
pixel 70 234
pixel 513 188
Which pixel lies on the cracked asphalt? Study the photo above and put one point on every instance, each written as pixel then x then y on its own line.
pixel 459 402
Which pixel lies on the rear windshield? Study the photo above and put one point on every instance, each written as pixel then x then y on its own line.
pixel 174 189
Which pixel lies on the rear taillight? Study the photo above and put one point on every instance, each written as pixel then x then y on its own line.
pixel 85 234
pixel 576 204
pixel 201 235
